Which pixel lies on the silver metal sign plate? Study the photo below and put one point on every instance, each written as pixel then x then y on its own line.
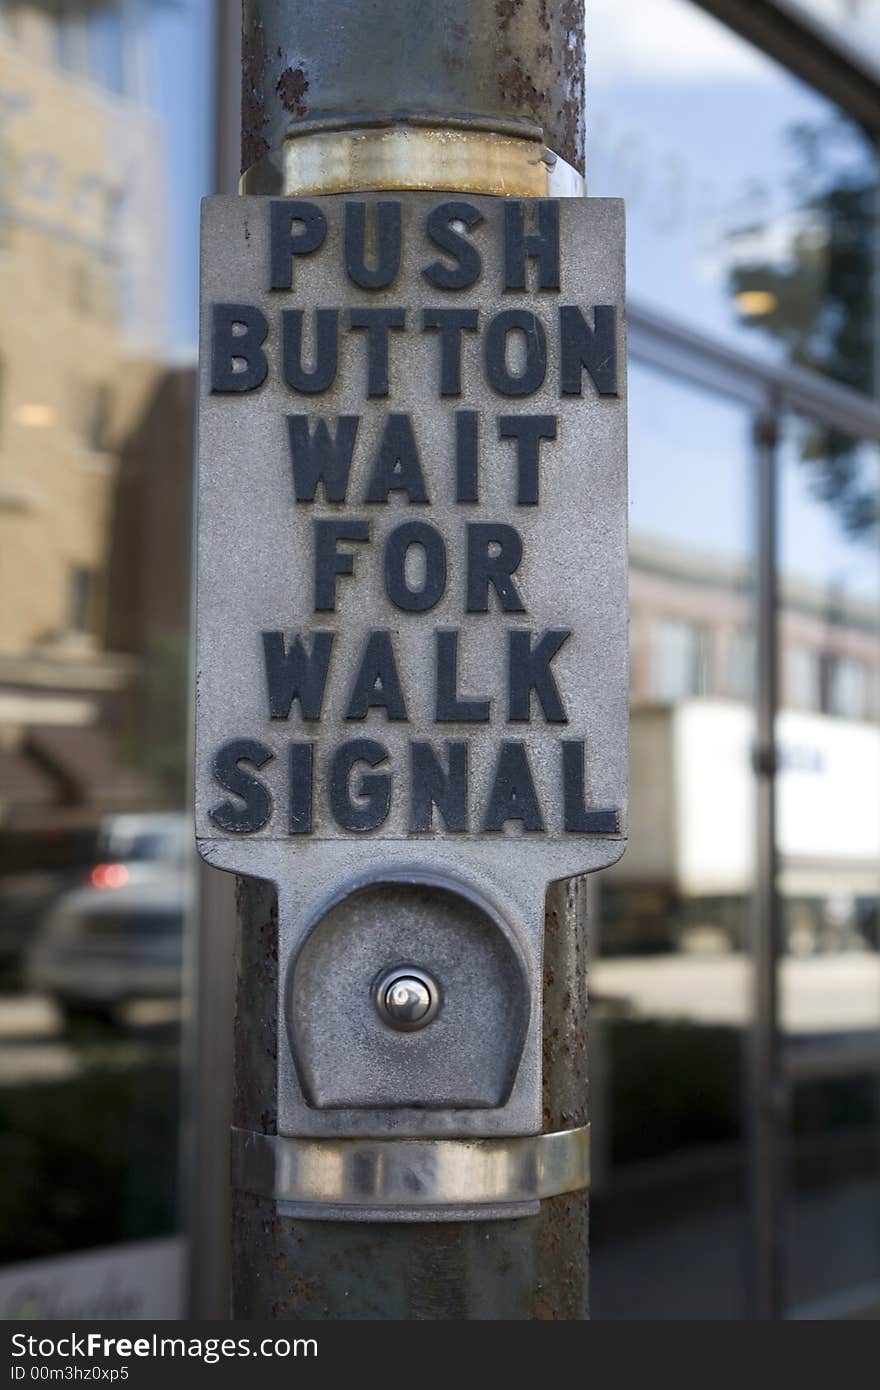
pixel 412 571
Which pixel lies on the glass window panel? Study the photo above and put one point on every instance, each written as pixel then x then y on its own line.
pixel 829 843
pixel 834 1220
pixel 847 688
pixel 71 37
pixel 754 221
pixel 98 261
pixel 741 664
pixel 802 685
pixel 670 984
pixel 680 660
pixel 106 57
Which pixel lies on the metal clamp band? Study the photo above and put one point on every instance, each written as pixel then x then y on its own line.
pixel 403 156
pixel 407 156
pixel 411 1176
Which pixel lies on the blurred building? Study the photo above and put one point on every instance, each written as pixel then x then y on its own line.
pixel 735 973
pixel 82 366
pixel 693 680
pixel 96 426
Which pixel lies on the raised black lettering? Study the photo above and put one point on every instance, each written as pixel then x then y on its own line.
pixel 397 547
pixel 256 806
pixel 467 424
pixel 581 346
pixel 397 467
pixel 323 374
pixel 450 323
pixel 368 808
pixel 238 332
pixel 387 244
pixel 328 560
pixel 450 708
pixel 529 431
pixel 302 759
pixel 513 795
pixel 542 244
pixel 467 265
pixel 377 683
pixel 432 784
pixel 534 367
pixel 284 245
pixel 528 669
pixel 576 815
pixel 292 673
pixel 494 551
pixel 377 323
pixel 321 458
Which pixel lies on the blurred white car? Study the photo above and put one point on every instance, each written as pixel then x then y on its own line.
pixel 120 936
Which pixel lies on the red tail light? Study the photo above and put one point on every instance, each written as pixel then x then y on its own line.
pixel 109 876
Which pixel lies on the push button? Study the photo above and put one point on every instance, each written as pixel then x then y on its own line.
pixel 407 999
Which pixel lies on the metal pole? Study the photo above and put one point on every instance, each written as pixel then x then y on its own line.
pixel 375 94
pixel 390 74
pixel 214 982
pixel 767 1081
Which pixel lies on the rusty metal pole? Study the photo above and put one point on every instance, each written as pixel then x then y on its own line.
pixel 483 96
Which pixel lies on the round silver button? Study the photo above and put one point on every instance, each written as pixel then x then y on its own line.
pixel 407 999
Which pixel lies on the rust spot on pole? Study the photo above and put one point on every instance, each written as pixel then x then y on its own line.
pixel 517 88
pixel 505 10
pixel 568 115
pixel 538 65
pixel 291 87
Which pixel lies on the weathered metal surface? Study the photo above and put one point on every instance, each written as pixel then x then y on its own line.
pixel 515 67
pixel 258 531
pixel 255 1087
pixel 562 1234
pixel 288 1269
pixel 533 1269
pixel 259 575
pixel 564 1053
